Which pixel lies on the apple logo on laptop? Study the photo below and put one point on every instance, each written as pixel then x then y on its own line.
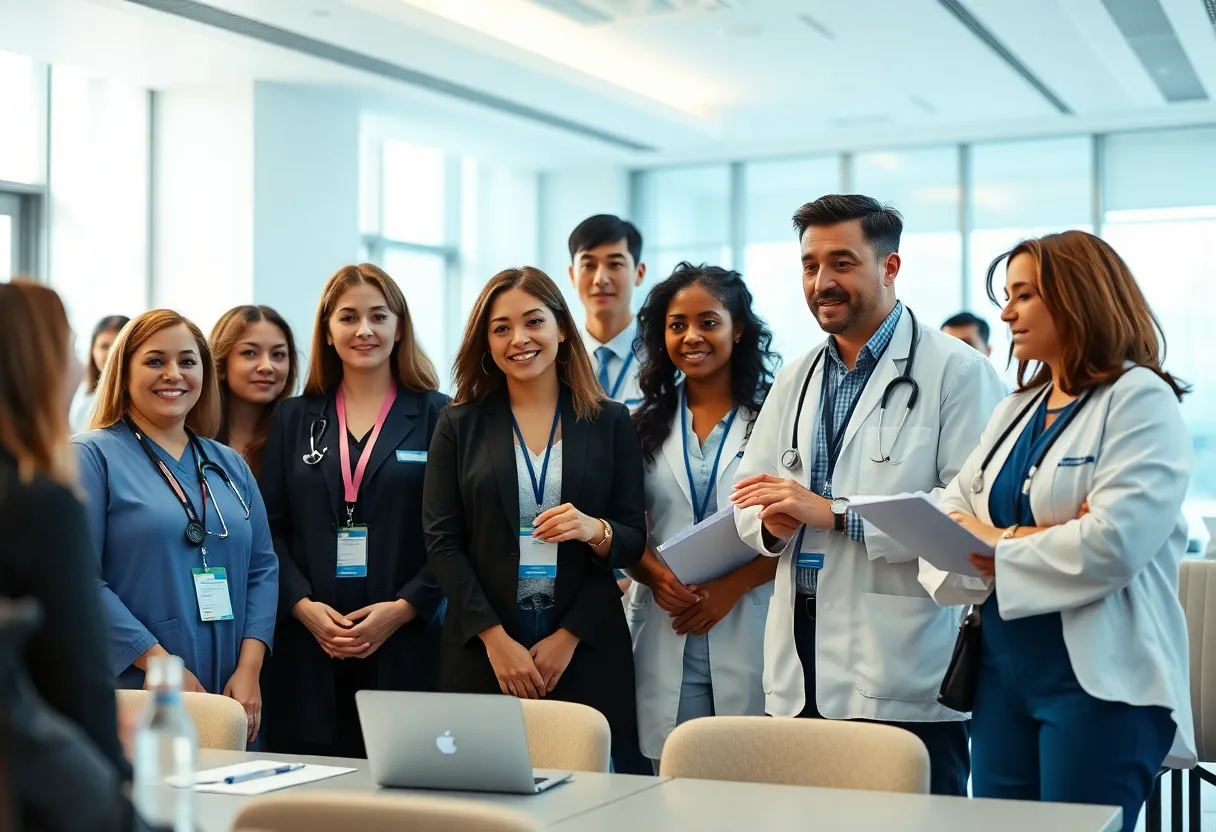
pixel 446 743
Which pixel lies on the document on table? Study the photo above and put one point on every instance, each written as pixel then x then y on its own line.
pixel 706 551
pixel 212 780
pixel 918 525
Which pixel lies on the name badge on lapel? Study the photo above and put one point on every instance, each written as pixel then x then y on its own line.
pixel 352 552
pixel 211 592
pixel 537 559
pixel 411 456
pixel 809 553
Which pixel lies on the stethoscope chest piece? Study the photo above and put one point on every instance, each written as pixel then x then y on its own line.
pixel 314 456
pixel 791 459
pixel 977 482
pixel 195 533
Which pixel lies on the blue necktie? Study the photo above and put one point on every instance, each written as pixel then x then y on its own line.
pixel 602 354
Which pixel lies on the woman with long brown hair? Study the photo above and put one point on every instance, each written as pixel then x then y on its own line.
pixel 46 553
pixel 104 333
pixel 342 477
pixel 533 496
pixel 255 357
pixel 186 562
pixel 1082 692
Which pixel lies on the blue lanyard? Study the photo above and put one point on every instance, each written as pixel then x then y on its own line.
pixel 620 379
pixel 538 488
pixel 698 510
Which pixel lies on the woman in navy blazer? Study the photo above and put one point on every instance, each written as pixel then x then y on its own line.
pixel 534 627
pixel 343 628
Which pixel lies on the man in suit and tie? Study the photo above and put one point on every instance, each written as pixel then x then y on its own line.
pixel 605 267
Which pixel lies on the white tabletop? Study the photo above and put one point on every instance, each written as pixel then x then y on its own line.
pixel 584 792
pixel 705 804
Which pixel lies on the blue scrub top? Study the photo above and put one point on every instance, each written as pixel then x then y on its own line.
pixel 147 589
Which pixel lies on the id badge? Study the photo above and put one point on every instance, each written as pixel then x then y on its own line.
pixel 211 590
pixel 537 559
pixel 352 552
pixel 808 543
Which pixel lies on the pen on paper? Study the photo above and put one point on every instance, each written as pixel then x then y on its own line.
pixel 245 777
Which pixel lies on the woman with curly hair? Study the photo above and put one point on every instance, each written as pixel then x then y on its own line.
pixel 708 367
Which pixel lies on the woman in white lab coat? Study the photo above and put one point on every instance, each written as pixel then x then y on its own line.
pixel 698 650
pixel 1078 483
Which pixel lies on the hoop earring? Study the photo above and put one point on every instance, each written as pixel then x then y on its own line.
pixel 559 355
pixel 484 356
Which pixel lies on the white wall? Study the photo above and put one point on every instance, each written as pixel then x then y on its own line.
pixel 98 198
pixel 203 202
pixel 306 197
pixel 567 197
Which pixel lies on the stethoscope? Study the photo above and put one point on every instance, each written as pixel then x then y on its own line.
pixel 792 459
pixel 314 456
pixel 196 531
pixel 977 482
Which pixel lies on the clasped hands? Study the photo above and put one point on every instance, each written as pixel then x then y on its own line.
pixel 357 635
pixel 785 504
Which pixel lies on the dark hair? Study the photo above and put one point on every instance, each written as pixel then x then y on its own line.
pixel 968 319
pixel 606 228
pixel 880 223
pixel 110 323
pixel 477 379
pixel 752 363
pixel 225 335
pixel 1099 312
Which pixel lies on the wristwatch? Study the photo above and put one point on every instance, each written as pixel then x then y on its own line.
pixel 839 506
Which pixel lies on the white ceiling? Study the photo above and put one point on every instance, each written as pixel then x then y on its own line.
pixel 750 79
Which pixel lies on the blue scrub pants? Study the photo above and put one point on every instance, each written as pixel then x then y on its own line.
pixel 1036 735
pixel 946 742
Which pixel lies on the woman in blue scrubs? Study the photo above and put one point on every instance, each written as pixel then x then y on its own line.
pixel 187 564
pixel 1083 691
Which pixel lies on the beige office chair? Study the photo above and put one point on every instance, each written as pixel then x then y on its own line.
pixel 1197 592
pixel 219 721
pixel 798 752
pixel 320 812
pixel 566 736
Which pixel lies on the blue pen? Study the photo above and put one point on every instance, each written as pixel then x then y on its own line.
pixel 233 779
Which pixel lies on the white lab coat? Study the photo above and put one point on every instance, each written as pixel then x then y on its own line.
pixel 882 644
pixel 735 643
pixel 1113 574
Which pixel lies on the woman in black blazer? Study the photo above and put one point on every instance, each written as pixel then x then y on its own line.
pixel 358 605
pixel 549 623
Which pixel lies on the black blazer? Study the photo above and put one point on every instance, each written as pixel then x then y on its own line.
pixel 470 512
pixel 46 555
pixel 305 505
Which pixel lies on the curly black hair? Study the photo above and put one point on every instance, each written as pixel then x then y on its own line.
pixel 752 363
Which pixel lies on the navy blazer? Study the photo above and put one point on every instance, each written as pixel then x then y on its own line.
pixel 306 505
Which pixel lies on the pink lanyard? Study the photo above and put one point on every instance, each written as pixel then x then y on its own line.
pixel 351 483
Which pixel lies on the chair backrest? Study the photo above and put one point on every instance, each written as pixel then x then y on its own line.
pixel 566 736
pixel 219 721
pixel 798 752
pixel 1197 592
pixel 321 812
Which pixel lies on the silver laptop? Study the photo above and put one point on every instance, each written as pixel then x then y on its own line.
pixel 463 742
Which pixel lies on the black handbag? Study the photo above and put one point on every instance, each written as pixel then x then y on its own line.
pixel 958 687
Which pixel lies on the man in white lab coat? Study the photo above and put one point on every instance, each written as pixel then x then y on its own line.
pixel 851 634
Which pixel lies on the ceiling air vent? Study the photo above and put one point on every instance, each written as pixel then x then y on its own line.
pixel 613 11
pixel 1151 36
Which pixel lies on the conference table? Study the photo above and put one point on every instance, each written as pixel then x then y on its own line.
pixel 593 802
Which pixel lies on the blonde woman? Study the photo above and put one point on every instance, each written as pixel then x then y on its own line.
pixel 187 565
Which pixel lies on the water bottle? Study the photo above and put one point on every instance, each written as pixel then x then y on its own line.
pixel 165 746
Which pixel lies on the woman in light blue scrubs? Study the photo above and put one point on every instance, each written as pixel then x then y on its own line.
pixel 698 650
pixel 187 564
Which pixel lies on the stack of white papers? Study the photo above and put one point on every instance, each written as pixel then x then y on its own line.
pixel 918 525
pixel 212 780
pixel 706 551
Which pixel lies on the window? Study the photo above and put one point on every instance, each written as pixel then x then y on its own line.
pixel 8 251
pixel 1161 217
pixel 23 105
pixel 413 193
pixel 423 280
pixel 1021 190
pixel 684 214
pixel 924 186
pixel 773 191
